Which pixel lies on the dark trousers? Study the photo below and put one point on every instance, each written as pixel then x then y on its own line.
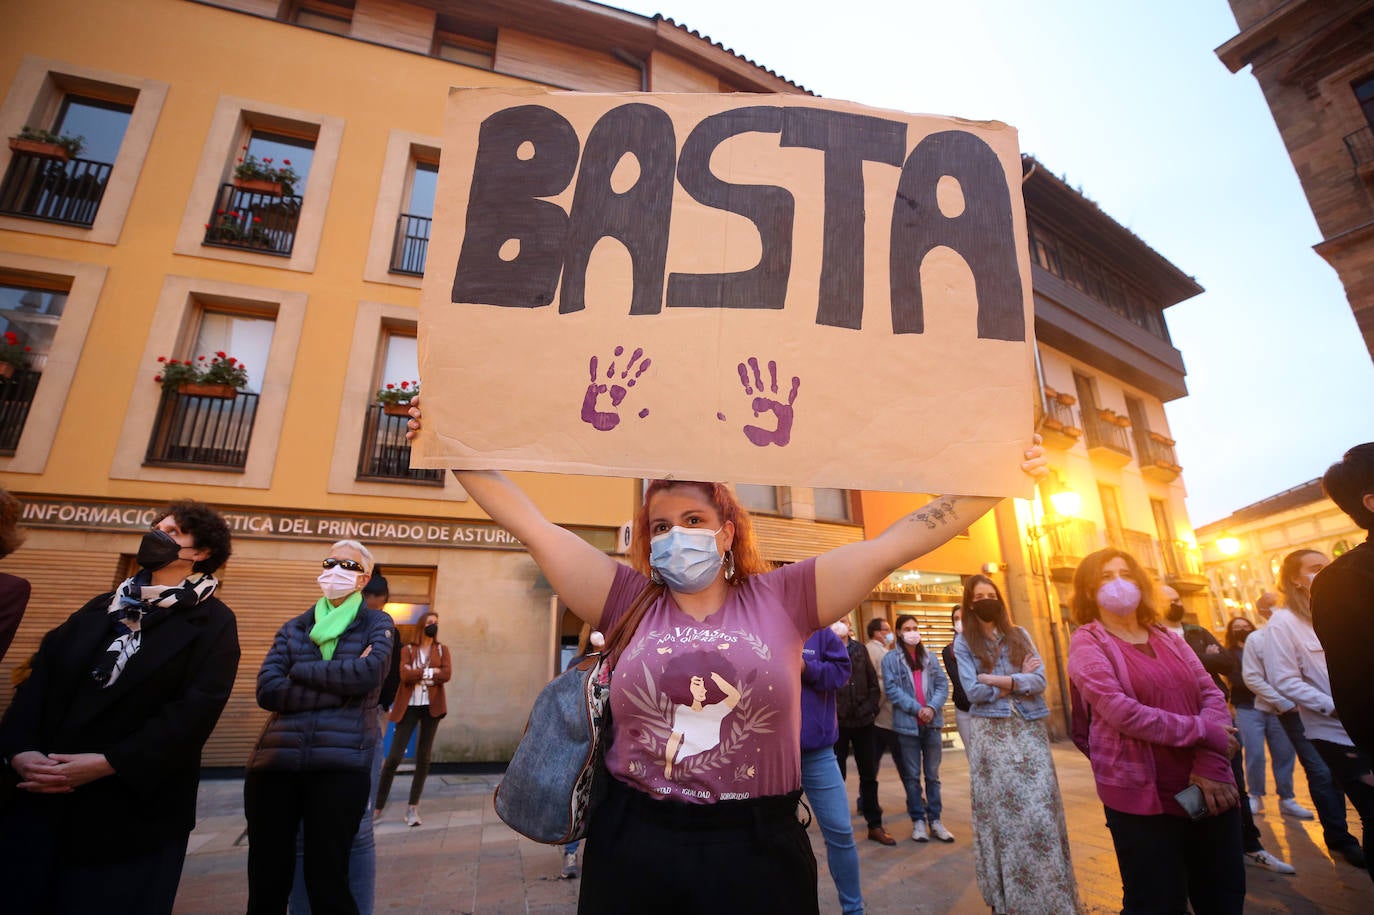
pixel 1350 768
pixel 429 725
pixel 329 806
pixel 726 858
pixel 44 878
pixel 1249 832
pixel 885 740
pixel 866 761
pixel 1168 862
pixel 1326 797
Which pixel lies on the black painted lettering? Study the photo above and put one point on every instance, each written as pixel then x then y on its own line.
pixel 848 140
pixel 504 205
pixel 638 218
pixel 982 234
pixel 769 208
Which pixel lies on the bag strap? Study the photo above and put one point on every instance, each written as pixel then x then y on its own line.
pixel 619 637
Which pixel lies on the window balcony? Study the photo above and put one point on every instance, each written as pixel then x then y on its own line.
pixel 1107 437
pixel 1360 145
pixel 201 430
pixel 53 190
pixel 16 397
pixel 1070 541
pixel 1157 458
pixel 411 245
pixel 1140 545
pixel 1061 428
pixel 385 453
pixel 1183 566
pixel 259 221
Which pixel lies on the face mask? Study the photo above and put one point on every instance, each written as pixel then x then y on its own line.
pixel 958 627
pixel 889 639
pixel 687 560
pixel 987 609
pixel 1242 635
pixel 911 637
pixel 158 550
pixel 1119 596
pixel 337 582
pixel 1175 611
pixel 432 630
pixel 841 630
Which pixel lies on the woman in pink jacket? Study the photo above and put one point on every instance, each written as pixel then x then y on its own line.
pixel 1158 726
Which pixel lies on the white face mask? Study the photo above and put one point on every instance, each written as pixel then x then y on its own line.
pixel 338 582
pixel 958 627
pixel 598 640
pixel 841 630
pixel 889 639
pixel 911 637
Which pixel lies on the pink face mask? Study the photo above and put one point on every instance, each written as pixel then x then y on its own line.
pixel 1120 596
pixel 912 637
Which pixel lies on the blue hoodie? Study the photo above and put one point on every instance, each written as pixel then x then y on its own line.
pixel 825 668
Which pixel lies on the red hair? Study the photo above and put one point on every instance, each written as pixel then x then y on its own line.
pixel 743 549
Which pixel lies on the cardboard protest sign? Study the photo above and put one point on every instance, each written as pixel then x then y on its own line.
pixel 761 289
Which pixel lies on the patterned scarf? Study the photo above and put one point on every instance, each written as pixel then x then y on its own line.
pixel 139 605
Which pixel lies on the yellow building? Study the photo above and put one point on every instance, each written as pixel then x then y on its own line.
pixel 1243 551
pixel 147 244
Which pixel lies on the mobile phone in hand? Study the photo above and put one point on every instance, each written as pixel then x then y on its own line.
pixel 1192 802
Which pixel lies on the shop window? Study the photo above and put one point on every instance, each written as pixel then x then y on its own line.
pixel 334 16
pixel 260 211
pixel 757 498
pixel 29 317
pixel 385 452
pixel 411 597
pixel 411 245
pixel 206 427
pixel 832 504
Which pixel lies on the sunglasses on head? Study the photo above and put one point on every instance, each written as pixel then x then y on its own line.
pixel 351 565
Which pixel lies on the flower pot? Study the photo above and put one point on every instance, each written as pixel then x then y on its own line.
pixel 1067 400
pixel 39 148
pixel 222 391
pixel 258 185
pixel 396 409
pixel 1161 438
pixel 1052 423
pixel 7 369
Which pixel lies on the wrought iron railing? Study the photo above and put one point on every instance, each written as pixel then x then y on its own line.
pixel 16 397
pixel 1070 539
pixel 39 187
pixel 1152 450
pixel 202 430
pixel 1139 544
pixel 385 453
pixel 1061 413
pixel 409 249
pixel 254 220
pixel 1360 145
pixel 1181 560
pixel 1104 434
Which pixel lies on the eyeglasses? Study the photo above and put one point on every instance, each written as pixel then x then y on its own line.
pixel 351 565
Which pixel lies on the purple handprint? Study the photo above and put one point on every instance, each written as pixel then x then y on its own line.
pixel 762 404
pixel 605 421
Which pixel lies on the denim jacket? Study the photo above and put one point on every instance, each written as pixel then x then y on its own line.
pixel 901 694
pixel 985 701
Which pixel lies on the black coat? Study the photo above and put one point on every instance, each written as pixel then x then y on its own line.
pixel 151 723
pixel 1343 616
pixel 856 703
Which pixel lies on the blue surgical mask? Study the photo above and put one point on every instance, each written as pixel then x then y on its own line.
pixel 686 559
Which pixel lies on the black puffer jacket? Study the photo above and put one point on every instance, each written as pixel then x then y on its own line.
pixel 856 703
pixel 324 713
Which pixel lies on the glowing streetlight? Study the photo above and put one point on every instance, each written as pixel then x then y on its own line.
pixel 1229 546
pixel 1067 503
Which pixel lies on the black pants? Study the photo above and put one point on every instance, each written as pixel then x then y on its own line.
pixel 44 877
pixel 329 806
pixel 415 714
pixel 1326 797
pixel 866 761
pixel 883 739
pixel 1168 862
pixel 1350 768
pixel 727 858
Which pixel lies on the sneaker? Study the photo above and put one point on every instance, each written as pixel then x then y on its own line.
pixel 918 832
pixel 413 816
pixel 938 830
pixel 1291 808
pixel 1352 853
pixel 1267 861
pixel 879 834
pixel 1256 805
pixel 570 866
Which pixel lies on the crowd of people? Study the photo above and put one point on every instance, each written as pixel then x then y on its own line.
pixel 737 691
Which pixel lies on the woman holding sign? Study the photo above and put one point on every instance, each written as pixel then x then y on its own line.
pixel 710 823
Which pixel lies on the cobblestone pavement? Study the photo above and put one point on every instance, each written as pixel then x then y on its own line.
pixel 465 860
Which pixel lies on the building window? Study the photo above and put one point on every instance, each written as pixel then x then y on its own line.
pixel 757 498
pixel 28 323
pixel 832 504
pixel 207 429
pixel 385 452
pixel 1364 94
pixel 261 214
pixel 411 245
pixel 465 43
pixel 334 16
pixel 55 185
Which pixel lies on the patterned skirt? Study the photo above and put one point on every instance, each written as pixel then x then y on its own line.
pixel 1020 843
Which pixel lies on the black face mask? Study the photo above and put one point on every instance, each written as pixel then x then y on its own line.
pixel 1175 611
pixel 158 550
pixel 432 630
pixel 988 609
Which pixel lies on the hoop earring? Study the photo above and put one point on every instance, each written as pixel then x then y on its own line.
pixel 730 565
pixel 654 576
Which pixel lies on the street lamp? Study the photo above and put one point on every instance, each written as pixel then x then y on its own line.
pixel 1229 546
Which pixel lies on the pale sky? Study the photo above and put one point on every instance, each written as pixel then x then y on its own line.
pixel 1130 105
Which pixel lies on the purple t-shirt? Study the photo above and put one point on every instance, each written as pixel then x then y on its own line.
pixel 711 711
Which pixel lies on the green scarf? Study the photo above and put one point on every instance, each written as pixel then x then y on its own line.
pixel 331 621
